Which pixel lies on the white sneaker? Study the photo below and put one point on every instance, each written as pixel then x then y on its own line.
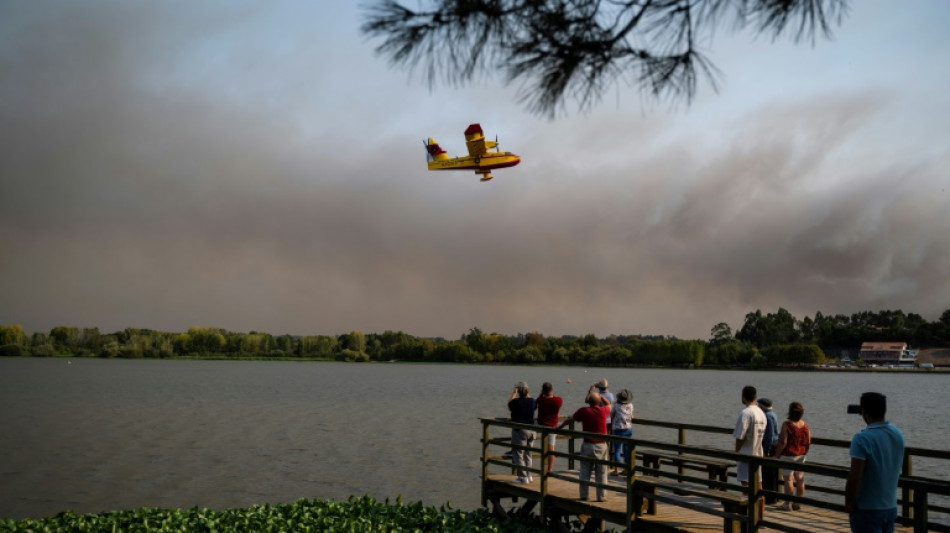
pixel 520 480
pixel 530 479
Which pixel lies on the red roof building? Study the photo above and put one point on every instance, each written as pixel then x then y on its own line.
pixel 886 353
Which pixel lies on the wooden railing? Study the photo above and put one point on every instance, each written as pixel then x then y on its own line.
pixel 916 501
pixel 907 503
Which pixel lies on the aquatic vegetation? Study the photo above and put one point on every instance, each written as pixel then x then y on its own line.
pixel 364 514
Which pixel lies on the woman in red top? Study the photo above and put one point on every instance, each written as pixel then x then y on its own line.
pixel 549 406
pixel 793 443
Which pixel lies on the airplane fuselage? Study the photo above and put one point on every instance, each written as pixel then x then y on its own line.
pixel 481 158
pixel 486 161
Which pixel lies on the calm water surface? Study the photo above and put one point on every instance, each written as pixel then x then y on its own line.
pixel 93 435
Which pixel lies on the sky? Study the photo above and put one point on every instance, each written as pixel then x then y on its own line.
pixel 256 166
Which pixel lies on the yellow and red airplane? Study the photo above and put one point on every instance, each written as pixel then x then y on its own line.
pixel 479 158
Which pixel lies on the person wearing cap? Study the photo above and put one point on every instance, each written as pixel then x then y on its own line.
pixel 602 390
pixel 522 407
pixel 769 440
pixel 621 425
pixel 593 419
pixel 877 454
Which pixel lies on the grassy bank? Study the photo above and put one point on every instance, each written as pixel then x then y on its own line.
pixel 356 515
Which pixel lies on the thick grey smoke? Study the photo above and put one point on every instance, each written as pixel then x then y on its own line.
pixel 170 165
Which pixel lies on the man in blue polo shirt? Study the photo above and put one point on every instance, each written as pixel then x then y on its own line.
pixel 877 454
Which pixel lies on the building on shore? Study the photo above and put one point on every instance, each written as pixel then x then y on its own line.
pixel 887 353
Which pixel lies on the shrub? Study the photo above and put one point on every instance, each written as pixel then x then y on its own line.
pixel 353 356
pixel 13 350
pixel 43 350
pixel 356 515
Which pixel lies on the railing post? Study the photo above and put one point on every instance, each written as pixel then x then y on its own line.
pixel 921 513
pixel 753 492
pixel 485 438
pixel 908 495
pixel 570 448
pixel 545 453
pixel 681 438
pixel 631 478
pixel 511 441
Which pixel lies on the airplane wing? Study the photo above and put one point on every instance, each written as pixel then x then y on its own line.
pixel 475 140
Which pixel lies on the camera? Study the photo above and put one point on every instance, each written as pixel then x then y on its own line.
pixel 854 409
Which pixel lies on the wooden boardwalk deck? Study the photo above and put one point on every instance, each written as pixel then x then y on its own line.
pixel 669 518
pixel 669 496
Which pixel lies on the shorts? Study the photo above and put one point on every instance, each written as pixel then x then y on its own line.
pixel 551 440
pixel 792 459
pixel 742 472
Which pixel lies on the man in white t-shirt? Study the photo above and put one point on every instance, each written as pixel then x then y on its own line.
pixel 750 429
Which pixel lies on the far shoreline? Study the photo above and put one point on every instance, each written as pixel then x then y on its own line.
pixel 803 368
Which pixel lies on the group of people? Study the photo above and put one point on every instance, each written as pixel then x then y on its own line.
pixel 603 414
pixel 877 453
pixel 758 433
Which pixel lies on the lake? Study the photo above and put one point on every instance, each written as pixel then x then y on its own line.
pixel 92 435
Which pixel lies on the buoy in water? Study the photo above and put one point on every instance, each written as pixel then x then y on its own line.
pixel 568 380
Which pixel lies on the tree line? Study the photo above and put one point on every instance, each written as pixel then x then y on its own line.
pixel 772 339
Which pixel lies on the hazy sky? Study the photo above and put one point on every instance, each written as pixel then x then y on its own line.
pixel 254 166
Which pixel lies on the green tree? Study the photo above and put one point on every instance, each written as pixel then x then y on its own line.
pixel 317 346
pixel 498 342
pixel 793 354
pixel 354 340
pixel 773 328
pixel 732 353
pixel 477 341
pixel 111 348
pixel 285 343
pixel 206 340
pixel 806 329
pixel 182 344
pixel 450 352
pixel 534 339
pixel 589 341
pixel 557 49
pixel 14 350
pixel 39 339
pixel 90 339
pixel 12 335
pixel 64 336
pixel 720 333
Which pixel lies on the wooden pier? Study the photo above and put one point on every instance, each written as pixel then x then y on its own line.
pixel 674 487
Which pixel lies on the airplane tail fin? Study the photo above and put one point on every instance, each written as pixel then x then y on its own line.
pixel 434 152
pixel 475 139
pixel 474 132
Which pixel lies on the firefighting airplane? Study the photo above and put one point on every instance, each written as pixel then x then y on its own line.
pixel 479 158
